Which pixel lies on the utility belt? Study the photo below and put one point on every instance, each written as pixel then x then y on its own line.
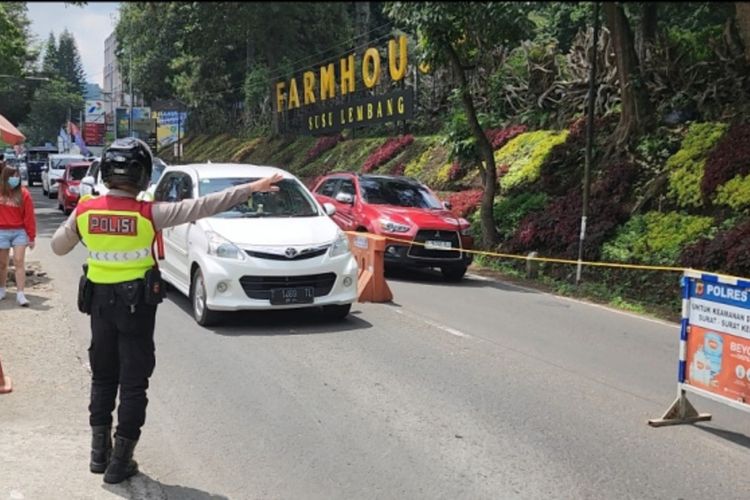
pixel 148 290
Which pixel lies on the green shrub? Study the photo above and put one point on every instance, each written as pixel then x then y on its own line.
pixel 655 237
pixel 525 155
pixel 510 211
pixel 686 167
pixel 735 193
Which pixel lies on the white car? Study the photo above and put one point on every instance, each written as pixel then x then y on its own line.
pixel 93 185
pixel 279 250
pixel 54 170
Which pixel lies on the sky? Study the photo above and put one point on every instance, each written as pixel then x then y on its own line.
pixel 90 26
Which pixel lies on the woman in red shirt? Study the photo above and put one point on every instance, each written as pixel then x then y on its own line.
pixel 17 228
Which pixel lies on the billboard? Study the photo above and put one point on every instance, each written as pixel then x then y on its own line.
pixel 144 127
pixel 169 125
pixel 95 112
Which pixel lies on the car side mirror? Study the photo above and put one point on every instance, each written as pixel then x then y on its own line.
pixel 345 198
pixel 43 169
pixel 329 208
pixel 88 180
pixel 447 205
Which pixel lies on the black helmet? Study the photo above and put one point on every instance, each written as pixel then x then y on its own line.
pixel 127 161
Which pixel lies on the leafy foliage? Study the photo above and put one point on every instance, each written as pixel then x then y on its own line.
pixel 49 110
pixel 322 145
pixel 556 228
pixel 525 155
pixel 686 167
pixel 725 252
pixel 465 202
pixel 735 193
pixel 388 150
pixel 655 238
pixel 729 159
pixel 12 45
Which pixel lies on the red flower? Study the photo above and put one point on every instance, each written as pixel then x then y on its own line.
pixel 386 152
pixel 465 202
pixel 322 145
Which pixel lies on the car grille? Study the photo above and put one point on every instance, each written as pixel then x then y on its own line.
pixel 259 287
pixel 420 252
pixel 303 255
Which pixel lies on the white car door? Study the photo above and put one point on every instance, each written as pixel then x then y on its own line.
pixel 176 186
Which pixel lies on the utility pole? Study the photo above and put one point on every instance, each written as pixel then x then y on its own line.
pixel 589 142
pixel 130 83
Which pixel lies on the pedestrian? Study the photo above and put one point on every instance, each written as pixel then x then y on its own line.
pixel 17 229
pixel 121 290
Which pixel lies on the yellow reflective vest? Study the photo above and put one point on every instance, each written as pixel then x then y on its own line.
pixel 119 234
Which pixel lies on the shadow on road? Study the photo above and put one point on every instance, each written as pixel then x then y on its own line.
pixel 143 486
pixel 735 437
pixel 286 322
pixel 431 276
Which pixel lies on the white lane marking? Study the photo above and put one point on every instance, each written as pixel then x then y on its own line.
pixel 577 301
pixel 447 329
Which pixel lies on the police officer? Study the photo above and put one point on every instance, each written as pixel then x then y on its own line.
pixel 121 289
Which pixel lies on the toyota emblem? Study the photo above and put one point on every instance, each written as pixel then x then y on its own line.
pixel 290 252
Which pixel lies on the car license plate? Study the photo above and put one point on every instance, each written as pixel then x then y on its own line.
pixel 298 295
pixel 437 245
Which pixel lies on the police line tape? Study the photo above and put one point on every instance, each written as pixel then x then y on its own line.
pixel 643 267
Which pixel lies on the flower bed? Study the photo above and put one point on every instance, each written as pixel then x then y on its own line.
pixel 386 152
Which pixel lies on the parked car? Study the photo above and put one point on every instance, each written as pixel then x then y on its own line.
pixel 279 250
pixel 92 183
pixel 54 170
pixel 400 208
pixel 36 160
pixel 69 186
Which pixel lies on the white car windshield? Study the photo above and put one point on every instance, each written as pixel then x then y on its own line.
pixel 61 163
pixel 290 200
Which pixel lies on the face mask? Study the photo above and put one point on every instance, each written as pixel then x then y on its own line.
pixel 13 182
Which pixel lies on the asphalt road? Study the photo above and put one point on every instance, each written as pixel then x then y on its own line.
pixel 477 390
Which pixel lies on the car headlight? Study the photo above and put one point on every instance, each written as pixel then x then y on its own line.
pixel 340 245
pixel 393 227
pixel 74 189
pixel 466 231
pixel 221 247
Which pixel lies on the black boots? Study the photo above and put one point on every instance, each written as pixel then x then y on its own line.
pixel 101 446
pixel 121 465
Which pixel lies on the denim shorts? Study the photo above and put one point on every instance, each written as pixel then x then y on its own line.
pixel 13 238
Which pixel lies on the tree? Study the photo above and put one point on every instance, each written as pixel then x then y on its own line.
pixel 69 66
pixel 634 115
pixel 49 64
pixel 454 35
pixel 12 45
pixel 49 110
pixel 743 23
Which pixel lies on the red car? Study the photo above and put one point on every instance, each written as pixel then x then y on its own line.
pixel 404 209
pixel 69 186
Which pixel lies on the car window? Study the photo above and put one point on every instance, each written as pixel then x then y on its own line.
pixel 291 200
pixel 61 163
pixel 184 187
pixel 93 170
pixel 328 188
pixel 346 187
pixel 167 190
pixel 76 174
pixel 157 170
pixel 387 191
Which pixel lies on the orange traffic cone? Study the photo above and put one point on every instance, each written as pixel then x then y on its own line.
pixel 5 384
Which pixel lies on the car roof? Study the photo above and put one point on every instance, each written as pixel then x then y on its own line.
pixel 37 149
pixel 228 170
pixel 66 155
pixel 78 164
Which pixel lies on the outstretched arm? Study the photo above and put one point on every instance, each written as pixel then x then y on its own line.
pixel 173 214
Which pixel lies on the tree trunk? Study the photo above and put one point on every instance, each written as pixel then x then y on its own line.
pixel 647 29
pixel 634 115
pixel 743 24
pixel 489 173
